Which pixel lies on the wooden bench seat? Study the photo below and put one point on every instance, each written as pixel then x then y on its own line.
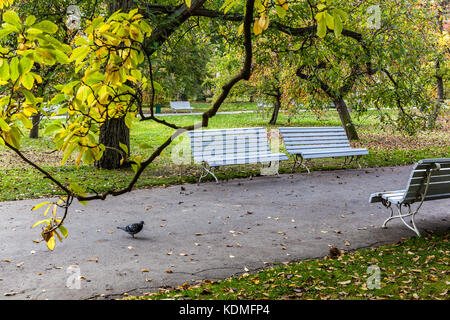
pixel 319 142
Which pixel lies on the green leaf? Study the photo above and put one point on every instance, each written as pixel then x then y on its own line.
pixel 14 67
pixel 321 28
pixel 28 81
pixel 281 12
pixel 79 54
pixel 30 20
pixel 52 127
pixel 124 147
pixel 46 26
pixel 26 122
pixel 4 71
pixel 63 231
pixel 338 25
pixel 5 32
pixel 47 221
pixel 69 151
pixel 4 126
pixel 342 14
pixel 30 98
pixel 329 20
pixel 12 18
pixel 77 188
pixel 25 65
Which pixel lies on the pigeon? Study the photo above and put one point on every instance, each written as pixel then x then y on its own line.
pixel 133 228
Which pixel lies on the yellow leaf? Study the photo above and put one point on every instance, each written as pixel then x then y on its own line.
pixel 51 243
pixel 39 205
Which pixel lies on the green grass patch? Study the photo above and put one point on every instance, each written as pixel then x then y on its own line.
pixel 19 181
pixel 417 268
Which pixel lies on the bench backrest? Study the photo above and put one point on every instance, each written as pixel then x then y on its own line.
pixel 180 104
pixel 228 143
pixel 297 139
pixel 439 187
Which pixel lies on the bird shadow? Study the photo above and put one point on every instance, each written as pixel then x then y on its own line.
pixel 140 238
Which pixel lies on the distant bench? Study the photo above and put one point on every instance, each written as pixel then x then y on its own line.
pixel 181 105
pixel 319 142
pixel 429 180
pixel 224 147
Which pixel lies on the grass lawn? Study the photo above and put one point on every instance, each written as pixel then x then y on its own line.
pixel 417 268
pixel 386 147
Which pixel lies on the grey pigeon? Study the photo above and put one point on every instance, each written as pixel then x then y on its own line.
pixel 133 228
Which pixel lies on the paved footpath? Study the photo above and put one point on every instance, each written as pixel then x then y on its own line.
pixel 206 231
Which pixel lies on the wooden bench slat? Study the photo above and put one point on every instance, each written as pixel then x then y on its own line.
pixel 318 135
pixel 444 165
pixel 434 178
pixel 311 154
pixel 422 173
pixel 376 197
pixel 310 129
pixel 215 162
pixel 318 146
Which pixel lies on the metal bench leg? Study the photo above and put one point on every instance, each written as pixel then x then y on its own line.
pixel 401 215
pixel 413 226
pixel 301 162
pixel 357 161
pixel 349 159
pixel 207 170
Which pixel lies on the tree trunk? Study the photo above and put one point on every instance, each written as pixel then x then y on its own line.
pixel 346 119
pixel 34 132
pixel 276 109
pixel 112 132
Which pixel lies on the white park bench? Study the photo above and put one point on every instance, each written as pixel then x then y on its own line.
pixel 429 180
pixel 263 109
pixel 223 147
pixel 319 142
pixel 181 105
